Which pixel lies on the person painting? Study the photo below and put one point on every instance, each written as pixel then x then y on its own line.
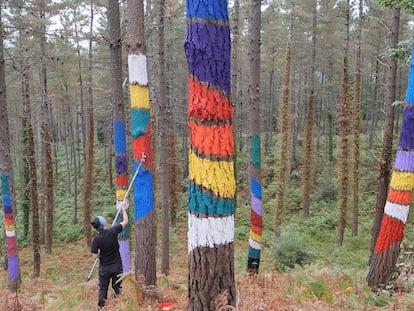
pixel 105 246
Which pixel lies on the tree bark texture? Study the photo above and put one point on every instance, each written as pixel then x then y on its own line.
pixel 344 136
pixel 357 128
pixel 120 146
pixel 30 158
pixel 164 113
pixel 309 152
pixel 145 229
pixel 387 137
pixel 89 154
pixel 212 185
pixel 285 129
pixel 6 177
pixel 47 159
pixel 255 173
pixel 396 210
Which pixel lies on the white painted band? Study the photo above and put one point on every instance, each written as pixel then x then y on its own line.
pixel 397 211
pixel 10 234
pixel 210 231
pixel 137 68
pixel 254 244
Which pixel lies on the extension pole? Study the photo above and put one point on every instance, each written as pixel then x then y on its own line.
pixel 119 209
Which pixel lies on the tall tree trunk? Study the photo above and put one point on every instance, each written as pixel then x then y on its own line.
pixel 31 163
pixel 344 133
pixel 255 173
pixel 284 132
pixel 144 213
pixel 391 216
pixel 212 186
pixel 88 176
pixel 387 137
pixel 234 77
pixel 309 154
pixel 164 159
pixel 374 116
pixel 47 159
pixel 357 127
pixel 6 176
pixel 121 160
pixel 396 210
pixel 25 204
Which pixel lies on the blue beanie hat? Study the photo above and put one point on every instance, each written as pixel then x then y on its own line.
pixel 101 222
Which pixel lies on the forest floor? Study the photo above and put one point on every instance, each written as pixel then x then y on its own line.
pixel 63 286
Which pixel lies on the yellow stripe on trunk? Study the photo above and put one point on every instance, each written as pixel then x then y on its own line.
pixel 139 97
pixel 217 176
pixel 402 181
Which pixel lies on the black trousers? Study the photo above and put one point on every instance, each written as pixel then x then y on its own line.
pixel 107 274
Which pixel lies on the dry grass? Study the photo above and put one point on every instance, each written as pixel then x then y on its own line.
pixel 63 286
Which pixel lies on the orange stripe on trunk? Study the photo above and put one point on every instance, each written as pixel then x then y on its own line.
pixel 400 197
pixel 205 103
pixel 212 140
pixel 392 230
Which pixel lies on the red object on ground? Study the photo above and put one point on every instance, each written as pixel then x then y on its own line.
pixel 166 306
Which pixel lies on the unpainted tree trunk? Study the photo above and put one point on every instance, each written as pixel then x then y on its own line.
pixel 284 124
pixel 357 127
pixel 309 145
pixel 88 175
pixel 163 134
pixel 47 156
pixel 31 163
pixel 344 136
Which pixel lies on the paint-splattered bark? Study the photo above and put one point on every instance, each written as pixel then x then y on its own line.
pixel 396 210
pixel 211 169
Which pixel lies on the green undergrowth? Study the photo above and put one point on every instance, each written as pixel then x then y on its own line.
pixel 306 254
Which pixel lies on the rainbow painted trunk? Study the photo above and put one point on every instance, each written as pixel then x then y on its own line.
pixel 397 207
pixel 212 184
pixel 121 167
pixel 9 225
pixel 141 135
pixel 255 237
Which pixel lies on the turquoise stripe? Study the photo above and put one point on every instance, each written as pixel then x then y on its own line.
pixel 254 253
pixel 139 119
pixel 4 184
pixel 255 151
pixel 201 202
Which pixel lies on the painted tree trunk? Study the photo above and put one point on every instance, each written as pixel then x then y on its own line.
pixel 121 161
pixel 385 161
pixel 396 210
pixel 6 178
pixel 212 184
pixel 144 218
pixel 255 173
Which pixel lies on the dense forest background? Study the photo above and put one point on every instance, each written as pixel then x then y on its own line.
pixel 57 57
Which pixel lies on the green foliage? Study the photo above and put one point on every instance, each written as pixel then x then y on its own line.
pixel 320 289
pixel 326 189
pixel 379 300
pixel 402 4
pixel 291 250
